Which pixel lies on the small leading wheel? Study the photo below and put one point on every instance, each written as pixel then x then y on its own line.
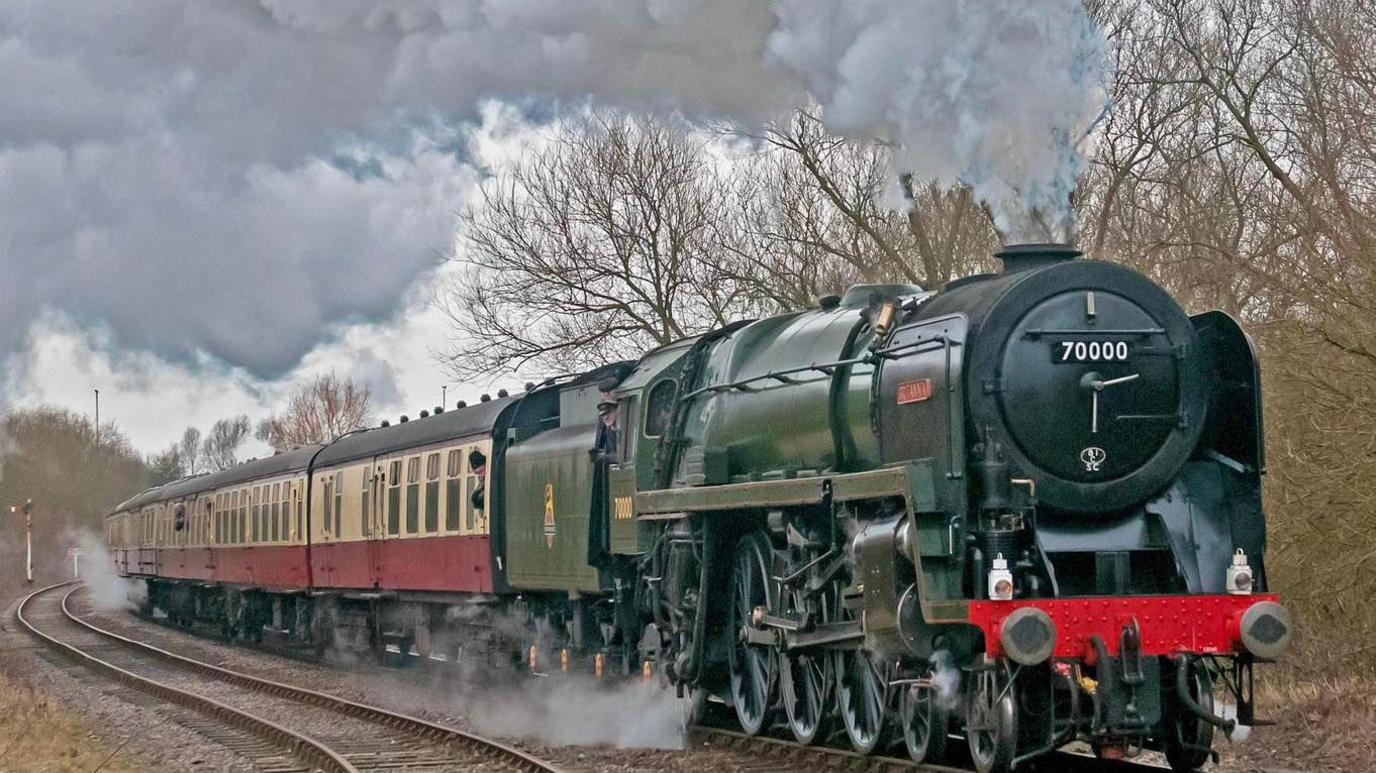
pixel 752 665
pixel 860 697
pixel 991 722
pixel 1188 746
pixel 805 681
pixel 925 719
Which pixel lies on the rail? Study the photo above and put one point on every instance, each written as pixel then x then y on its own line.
pixel 302 745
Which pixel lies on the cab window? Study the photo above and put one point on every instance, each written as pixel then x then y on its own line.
pixel 659 408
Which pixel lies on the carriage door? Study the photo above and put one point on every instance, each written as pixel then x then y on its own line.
pixel 374 482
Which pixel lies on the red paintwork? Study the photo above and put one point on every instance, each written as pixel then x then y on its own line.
pixel 262 566
pixel 1169 624
pixel 453 563
pixel 460 564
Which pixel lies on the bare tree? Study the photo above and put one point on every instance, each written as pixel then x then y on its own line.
pixel 165 466
pixel 319 411
pixel 73 476
pixel 189 451
pixel 813 205
pixel 1237 170
pixel 220 448
pixel 598 246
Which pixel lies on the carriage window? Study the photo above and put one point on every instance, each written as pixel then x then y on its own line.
pixel 287 535
pixel 339 505
pixel 276 511
pixel 264 511
pixel 412 494
pixel 432 493
pixel 659 408
pixel 328 488
pixel 257 513
pixel 367 504
pixel 394 500
pixel 453 496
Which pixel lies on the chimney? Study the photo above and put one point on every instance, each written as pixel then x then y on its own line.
pixel 1021 257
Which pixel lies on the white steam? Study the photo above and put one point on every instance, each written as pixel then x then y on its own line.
pixel 945 678
pixel 998 95
pixel 1240 733
pixel 580 711
pixel 107 591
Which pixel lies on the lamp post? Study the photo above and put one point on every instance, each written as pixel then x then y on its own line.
pixel 444 396
pixel 97 417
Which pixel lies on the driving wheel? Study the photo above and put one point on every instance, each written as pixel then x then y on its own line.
pixel 752 664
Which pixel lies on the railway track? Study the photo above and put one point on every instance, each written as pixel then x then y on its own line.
pixel 280 727
pixel 785 755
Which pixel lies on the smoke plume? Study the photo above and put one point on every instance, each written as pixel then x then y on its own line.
pixel 271 171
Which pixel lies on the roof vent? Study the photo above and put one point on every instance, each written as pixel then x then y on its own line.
pixel 438 410
pixel 405 418
pixel 530 386
pixel 1021 257
pixel 828 302
pixel 386 423
pixel 502 393
pixel 485 398
pixel 461 404
pixel 424 414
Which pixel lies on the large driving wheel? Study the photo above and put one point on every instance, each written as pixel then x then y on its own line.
pixel 805 679
pixel 752 665
pixel 991 721
pixel 924 718
pixel 860 697
pixel 1191 737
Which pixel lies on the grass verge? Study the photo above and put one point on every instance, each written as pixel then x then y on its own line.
pixel 37 736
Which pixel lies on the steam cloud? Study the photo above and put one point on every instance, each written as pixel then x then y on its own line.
pixel 239 179
pixel 578 711
pixel 107 591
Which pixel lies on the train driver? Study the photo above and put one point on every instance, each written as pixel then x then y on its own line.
pixel 605 447
pixel 477 467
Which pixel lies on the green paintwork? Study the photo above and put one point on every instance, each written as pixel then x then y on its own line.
pixel 912 481
pixel 556 458
pixel 636 457
pixel 629 536
pixel 777 430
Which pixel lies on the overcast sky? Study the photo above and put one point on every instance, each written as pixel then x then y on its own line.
pixel 203 202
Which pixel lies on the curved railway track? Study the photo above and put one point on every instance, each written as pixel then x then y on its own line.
pixel 320 731
pixel 788 755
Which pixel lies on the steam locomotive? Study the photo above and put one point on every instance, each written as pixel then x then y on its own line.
pixel 1024 509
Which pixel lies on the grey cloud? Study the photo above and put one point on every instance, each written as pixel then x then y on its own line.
pixel 239 179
